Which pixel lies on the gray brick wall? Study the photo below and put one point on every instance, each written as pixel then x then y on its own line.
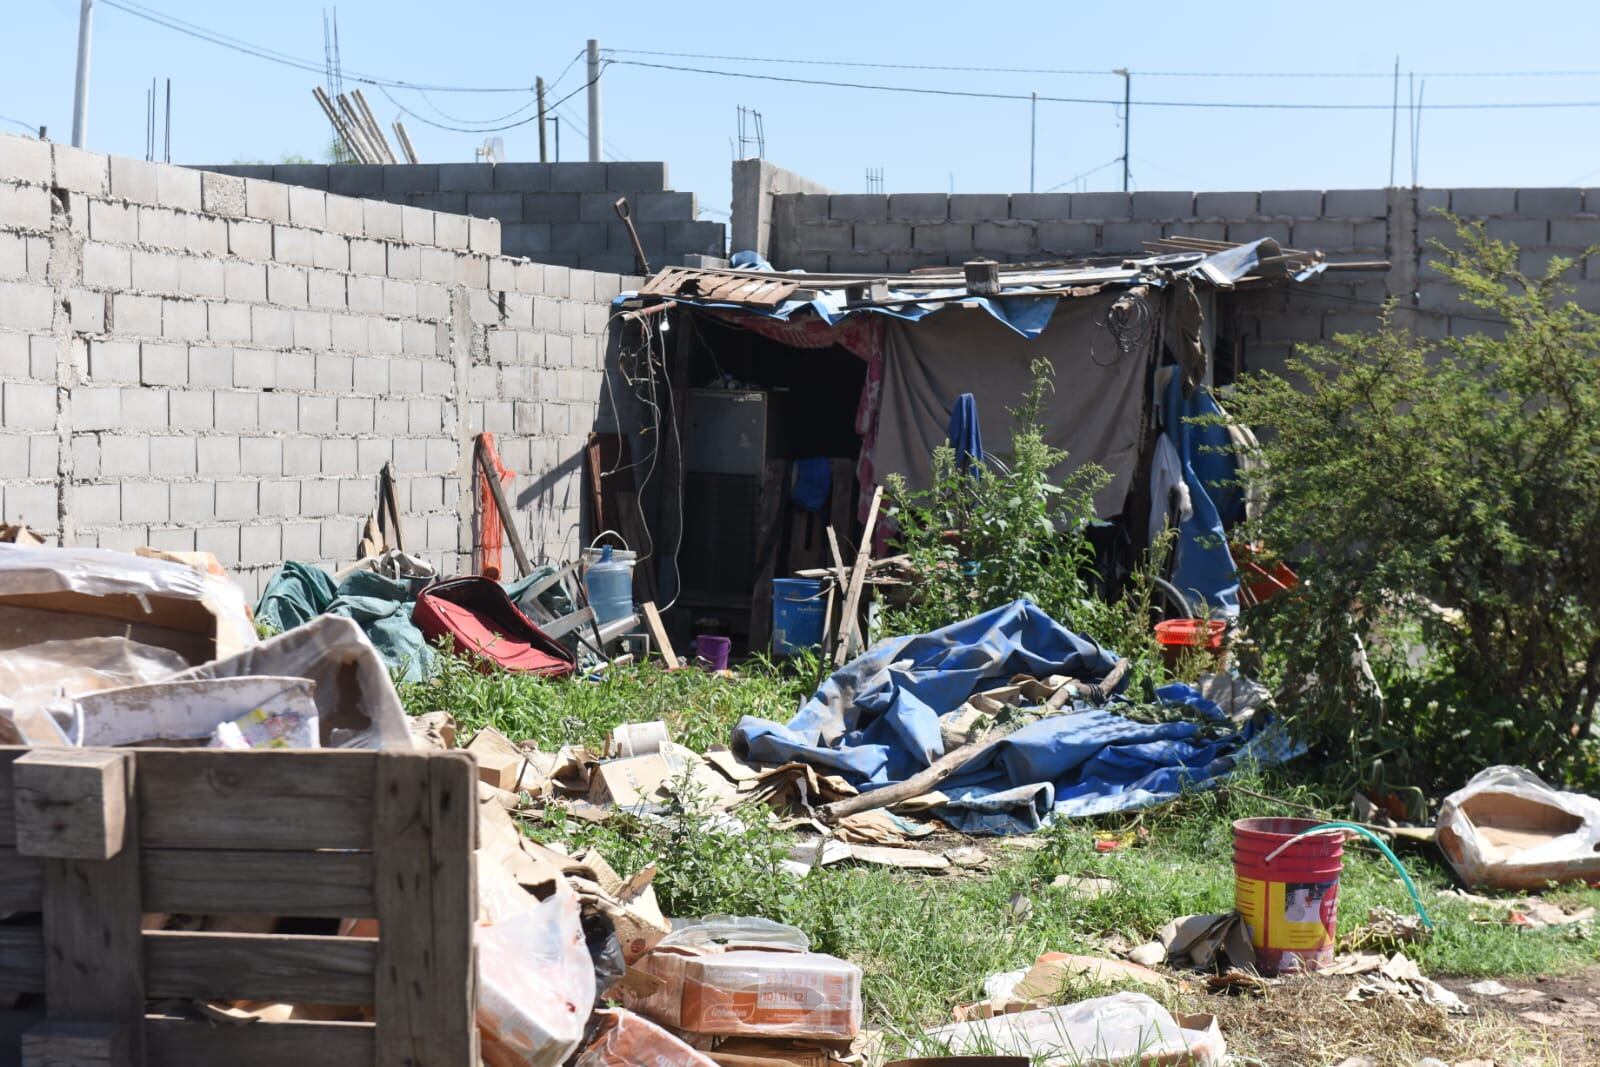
pixel 900 232
pixel 221 362
pixel 557 213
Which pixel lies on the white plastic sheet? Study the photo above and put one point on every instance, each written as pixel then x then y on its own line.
pixel 1507 829
pixel 1126 1028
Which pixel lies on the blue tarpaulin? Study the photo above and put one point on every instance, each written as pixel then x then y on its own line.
pixel 966 436
pixel 1203 570
pixel 876 722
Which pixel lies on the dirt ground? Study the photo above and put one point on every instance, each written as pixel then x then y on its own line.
pixel 1306 1022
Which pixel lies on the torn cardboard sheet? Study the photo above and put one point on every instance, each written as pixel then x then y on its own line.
pixel 1401 977
pixel 644 782
pixel 504 765
pixel 1055 972
pixel 1208 942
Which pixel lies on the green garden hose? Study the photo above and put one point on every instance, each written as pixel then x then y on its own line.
pixel 1388 854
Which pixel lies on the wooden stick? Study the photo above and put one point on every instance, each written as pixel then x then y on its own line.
pixel 386 478
pixel 405 141
pixel 852 598
pixel 507 519
pixel 917 784
pixel 658 634
pixel 846 630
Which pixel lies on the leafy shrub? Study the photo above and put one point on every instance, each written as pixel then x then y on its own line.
pixel 1442 501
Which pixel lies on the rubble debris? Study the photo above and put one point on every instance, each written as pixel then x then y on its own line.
pixel 628 1040
pixel 1090 886
pixel 1207 942
pixel 1386 927
pixel 1401 977
pixel 1507 829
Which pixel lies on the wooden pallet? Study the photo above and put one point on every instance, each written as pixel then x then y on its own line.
pixel 92 839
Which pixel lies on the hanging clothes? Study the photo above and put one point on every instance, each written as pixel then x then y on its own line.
pixel 966 438
pixel 1204 570
pixel 1166 481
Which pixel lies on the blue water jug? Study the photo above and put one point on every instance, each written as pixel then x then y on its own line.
pixel 610 585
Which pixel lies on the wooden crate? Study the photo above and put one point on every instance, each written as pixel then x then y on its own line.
pixel 91 839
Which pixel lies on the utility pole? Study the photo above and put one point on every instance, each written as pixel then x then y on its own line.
pixel 538 88
pixel 1127 120
pixel 80 99
pixel 1033 138
pixel 594 100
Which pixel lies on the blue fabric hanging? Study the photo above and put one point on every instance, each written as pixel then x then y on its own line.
pixel 1204 569
pixel 966 438
pixel 813 478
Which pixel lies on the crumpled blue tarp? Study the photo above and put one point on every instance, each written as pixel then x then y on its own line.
pixel 876 722
pixel 1203 569
pixel 966 436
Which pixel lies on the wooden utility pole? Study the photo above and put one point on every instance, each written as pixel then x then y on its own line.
pixel 538 88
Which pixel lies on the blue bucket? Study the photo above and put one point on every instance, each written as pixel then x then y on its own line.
pixel 798 608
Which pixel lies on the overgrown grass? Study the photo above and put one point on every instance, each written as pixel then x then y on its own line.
pixel 926 942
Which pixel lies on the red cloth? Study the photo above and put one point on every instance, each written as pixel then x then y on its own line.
pixel 491 534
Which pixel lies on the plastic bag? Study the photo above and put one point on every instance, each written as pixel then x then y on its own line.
pixel 1507 829
pixel 536 983
pixel 627 1040
pixel 734 930
pixel 1126 1028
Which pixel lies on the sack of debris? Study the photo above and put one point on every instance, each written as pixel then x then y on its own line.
pixel 1507 829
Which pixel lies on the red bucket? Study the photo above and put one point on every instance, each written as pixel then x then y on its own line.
pixel 1288 893
pixel 1175 636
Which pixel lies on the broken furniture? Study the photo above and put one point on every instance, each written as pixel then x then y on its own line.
pixel 481 621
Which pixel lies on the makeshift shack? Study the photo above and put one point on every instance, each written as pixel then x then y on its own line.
pixel 780 402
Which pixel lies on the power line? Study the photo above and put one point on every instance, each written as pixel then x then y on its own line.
pixel 425 120
pixel 285 59
pixel 1240 105
pixel 18 122
pixel 946 68
pixel 1113 161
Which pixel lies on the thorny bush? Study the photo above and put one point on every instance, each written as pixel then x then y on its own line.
pixel 1441 499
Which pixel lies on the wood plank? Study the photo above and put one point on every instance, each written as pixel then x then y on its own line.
pixel 21 960
pixel 94 971
pixel 307 970
pixel 508 518
pixel 21 882
pixel 426 993
pixel 199 798
pixel 8 808
pixel 658 634
pixel 70 802
pixel 181 1043
pixel 333 885
pixel 852 597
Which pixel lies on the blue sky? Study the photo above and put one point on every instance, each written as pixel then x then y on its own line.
pixel 228 106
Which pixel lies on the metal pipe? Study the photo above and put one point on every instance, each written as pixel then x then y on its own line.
pixel 538 88
pixel 1033 138
pixel 80 98
pixel 594 100
pixel 1127 121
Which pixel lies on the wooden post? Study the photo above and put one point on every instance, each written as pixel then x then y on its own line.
pixel 858 576
pixel 75 809
pixel 508 521
pixel 426 823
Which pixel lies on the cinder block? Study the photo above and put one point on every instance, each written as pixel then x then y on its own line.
pixel 1296 203
pixel 295 370
pixel 271 327
pixel 209 365
pixel 944 237
pixel 13 256
pixel 250 240
pixel 155 272
pixel 301 456
pixel 411 178
pixel 468 177
pixel 881 236
pixel 313 330
pixel 134 179
pixel 502 177
pixel 1469 202
pixel 317 414
pixel 204 235
pixel 379 219
pixel 364 293
pixel 163 364
pixel 25 207
pixel 191 409
pixel 1575 234
pixel 88 311
pixel 416 225
pixel 110 221
pixel 1163 205
pixel 1128 236
pixel 307 175
pixel 525 238
pixel 636 177
pixel 399 298
pixel 293 245
pixel 1246 231
pixel 335 374
pixel 1102 205
pixel 660 207
pixel 122 456
pixel 404 261
pixel 260 544
pixel 24 306
pixel 95 505
pixel 178 187
pixel 919 207
pixel 254 369
pixel 1323 234
pixel 244 282
pixel 1345 203
pixel 859 207
pixel 405 376
pixel 356 179
pixel 220 541
pixel 286 286
pixel 368 257
pixel 203 276
pixel 579 178
pixel 483 235
pixel 183 320
pixel 23 159
pixel 1068 236
pixel 1003 237
pixel 450 231
pixel 330 251
pixel 383 337
pixel 107 266
pixel 1548 202
pixel 222 194
pixel 80 171
pixel 29 406
pixel 504 206
pixel 326 289
pixel 144 409
pixel 1521 232
pixel 338 457
pixel 261 455
pixel 139 316
pixel 344 215
pixel 172 457
pixel 234 410
pixel 1240 205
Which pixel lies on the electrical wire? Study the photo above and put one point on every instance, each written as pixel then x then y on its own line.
pixel 1084 174
pixel 946 68
pixel 612 152
pixel 19 122
pixel 1227 105
pixel 533 102
pixel 318 67
pixel 425 120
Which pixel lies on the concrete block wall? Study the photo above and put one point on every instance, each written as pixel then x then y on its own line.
pixel 560 213
pixel 203 361
pixel 893 233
